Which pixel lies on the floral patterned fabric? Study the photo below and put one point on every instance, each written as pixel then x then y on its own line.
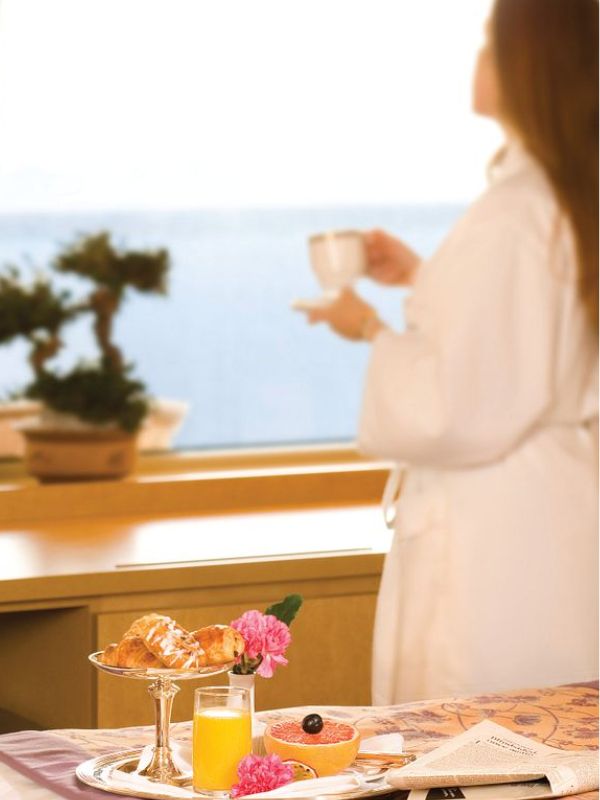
pixel 564 716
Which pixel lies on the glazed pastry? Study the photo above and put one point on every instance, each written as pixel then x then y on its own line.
pixel 221 643
pixel 132 652
pixel 171 644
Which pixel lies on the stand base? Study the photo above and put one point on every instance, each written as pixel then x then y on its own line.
pixel 159 764
pixel 110 773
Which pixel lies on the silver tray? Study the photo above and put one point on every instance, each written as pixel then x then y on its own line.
pixel 101 774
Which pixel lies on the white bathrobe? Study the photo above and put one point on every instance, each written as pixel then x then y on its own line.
pixel 489 403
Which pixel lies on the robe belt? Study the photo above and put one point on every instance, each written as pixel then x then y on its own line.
pixel 391 495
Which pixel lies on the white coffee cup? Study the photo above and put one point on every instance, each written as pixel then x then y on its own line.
pixel 338 259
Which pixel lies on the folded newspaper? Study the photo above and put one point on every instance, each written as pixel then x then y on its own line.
pixel 489 761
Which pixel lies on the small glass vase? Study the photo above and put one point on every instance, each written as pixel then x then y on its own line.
pixel 246 682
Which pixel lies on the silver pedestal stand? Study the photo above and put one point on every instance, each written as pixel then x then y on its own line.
pixel 156 763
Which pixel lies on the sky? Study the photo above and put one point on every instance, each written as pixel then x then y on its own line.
pixel 168 104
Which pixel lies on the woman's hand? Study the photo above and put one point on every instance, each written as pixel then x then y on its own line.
pixel 349 316
pixel 389 261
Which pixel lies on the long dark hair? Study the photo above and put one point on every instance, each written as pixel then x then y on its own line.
pixel 546 54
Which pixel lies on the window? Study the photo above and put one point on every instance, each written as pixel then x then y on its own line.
pixel 228 132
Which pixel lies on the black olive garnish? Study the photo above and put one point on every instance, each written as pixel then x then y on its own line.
pixel 312 723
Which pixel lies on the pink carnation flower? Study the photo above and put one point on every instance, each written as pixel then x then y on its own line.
pixel 265 637
pixel 261 774
pixel 251 626
pixel 277 639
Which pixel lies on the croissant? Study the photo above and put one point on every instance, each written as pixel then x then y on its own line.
pixel 109 656
pixel 130 652
pixel 221 643
pixel 171 644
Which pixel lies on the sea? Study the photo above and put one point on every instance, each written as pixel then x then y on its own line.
pixel 224 338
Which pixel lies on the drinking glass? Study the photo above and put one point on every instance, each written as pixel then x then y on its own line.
pixel 222 735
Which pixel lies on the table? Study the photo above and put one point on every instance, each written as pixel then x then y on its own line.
pixel 564 716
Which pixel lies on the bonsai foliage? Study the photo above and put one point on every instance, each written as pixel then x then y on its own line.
pixel 103 391
pixel 34 312
pixel 95 258
pixel 95 394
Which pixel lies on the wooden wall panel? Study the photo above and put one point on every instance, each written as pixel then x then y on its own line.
pixel 45 675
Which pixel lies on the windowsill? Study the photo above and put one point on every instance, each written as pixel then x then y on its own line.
pixel 211 482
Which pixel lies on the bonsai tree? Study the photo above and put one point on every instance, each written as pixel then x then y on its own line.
pixel 104 391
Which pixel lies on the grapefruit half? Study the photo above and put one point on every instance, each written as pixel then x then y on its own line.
pixel 328 752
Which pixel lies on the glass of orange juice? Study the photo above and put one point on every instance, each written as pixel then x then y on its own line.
pixel 222 735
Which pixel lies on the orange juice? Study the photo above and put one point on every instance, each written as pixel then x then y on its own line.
pixel 222 736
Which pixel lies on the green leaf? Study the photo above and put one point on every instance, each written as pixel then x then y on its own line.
pixel 287 609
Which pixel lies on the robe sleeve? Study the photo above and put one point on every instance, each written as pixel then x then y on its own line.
pixel 474 372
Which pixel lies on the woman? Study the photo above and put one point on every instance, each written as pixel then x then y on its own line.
pixel 488 401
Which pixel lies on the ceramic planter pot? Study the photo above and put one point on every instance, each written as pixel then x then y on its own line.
pixel 86 454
